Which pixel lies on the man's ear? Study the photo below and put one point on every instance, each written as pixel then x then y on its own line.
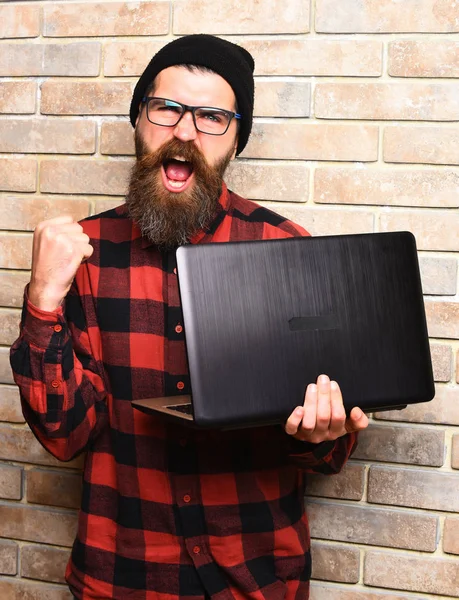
pixel 233 156
pixel 139 114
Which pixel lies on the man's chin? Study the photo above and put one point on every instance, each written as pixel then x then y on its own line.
pixel 165 198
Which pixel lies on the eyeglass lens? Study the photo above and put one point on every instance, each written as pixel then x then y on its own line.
pixel 207 120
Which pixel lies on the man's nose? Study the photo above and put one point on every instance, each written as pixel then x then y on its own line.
pixel 185 129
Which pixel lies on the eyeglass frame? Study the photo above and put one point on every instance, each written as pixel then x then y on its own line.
pixel 187 108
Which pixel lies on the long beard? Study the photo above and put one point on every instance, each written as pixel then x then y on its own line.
pixel 170 219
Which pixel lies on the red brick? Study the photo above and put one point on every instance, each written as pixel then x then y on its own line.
pixel 455 452
pixel 15 250
pixel 8 558
pixel 320 57
pixel 25 212
pixel 348 484
pixel 412 573
pixel 425 145
pixel 265 181
pixel 66 136
pixel 117 138
pixel 362 524
pixel 6 375
pixel 45 563
pixel 81 59
pixel 9 325
pixel 20 445
pixel 10 405
pixel 17 60
pixel 439 276
pixel 424 58
pixel 10 482
pixel 400 444
pixel 441 361
pixel 54 488
pixel 88 98
pixel 12 285
pixel 388 101
pixel 17 589
pixel 320 221
pixel 18 21
pixel 17 97
pixel 313 141
pixel 433 229
pixel 282 98
pixel 18 174
pixel 103 205
pixel 106 19
pixel 451 536
pixel 386 187
pixel 386 16
pixel 123 59
pixel 335 563
pixel 207 16
pixel 415 488
pixel 31 524
pixel 320 591
pixel 442 319
pixel 85 177
pixel 442 410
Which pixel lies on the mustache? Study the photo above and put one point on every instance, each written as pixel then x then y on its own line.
pixel 188 151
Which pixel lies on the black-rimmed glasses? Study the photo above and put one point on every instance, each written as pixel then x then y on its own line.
pixel 213 121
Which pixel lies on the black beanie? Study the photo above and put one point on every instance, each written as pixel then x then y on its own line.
pixel 232 62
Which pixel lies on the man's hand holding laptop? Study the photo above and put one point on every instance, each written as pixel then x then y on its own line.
pixel 322 416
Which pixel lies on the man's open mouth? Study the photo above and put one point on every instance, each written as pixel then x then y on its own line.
pixel 177 174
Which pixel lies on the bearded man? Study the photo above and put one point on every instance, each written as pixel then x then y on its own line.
pixel 168 513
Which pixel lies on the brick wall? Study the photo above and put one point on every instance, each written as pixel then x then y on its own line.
pixel 356 130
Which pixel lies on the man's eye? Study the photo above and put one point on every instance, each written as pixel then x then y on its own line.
pixel 163 108
pixel 212 116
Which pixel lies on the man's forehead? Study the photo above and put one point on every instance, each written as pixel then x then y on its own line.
pixel 194 81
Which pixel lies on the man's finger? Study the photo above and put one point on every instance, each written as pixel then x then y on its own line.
pixel 338 413
pixel 61 220
pixel 62 229
pixel 323 403
pixel 310 408
pixel 294 420
pixel 357 420
pixel 87 250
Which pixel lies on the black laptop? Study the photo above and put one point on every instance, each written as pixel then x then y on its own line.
pixel 263 319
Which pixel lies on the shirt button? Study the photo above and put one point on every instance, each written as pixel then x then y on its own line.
pixel 55 383
pixel 196 549
pixel 187 498
pixel 178 329
pixel 57 328
pixel 180 385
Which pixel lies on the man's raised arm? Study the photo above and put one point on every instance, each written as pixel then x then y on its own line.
pixel 60 380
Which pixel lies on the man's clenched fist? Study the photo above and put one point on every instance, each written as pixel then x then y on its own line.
pixel 59 247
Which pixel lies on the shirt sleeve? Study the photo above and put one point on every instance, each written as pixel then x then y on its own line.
pixel 62 386
pixel 327 458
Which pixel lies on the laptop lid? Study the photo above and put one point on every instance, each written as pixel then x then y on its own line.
pixel 263 319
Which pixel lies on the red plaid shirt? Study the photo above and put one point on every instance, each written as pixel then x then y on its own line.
pixel 167 512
